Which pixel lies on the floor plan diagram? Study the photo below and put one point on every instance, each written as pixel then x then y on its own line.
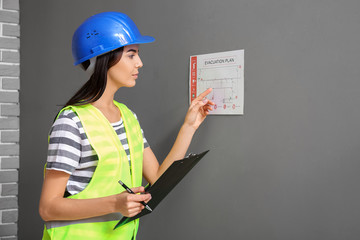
pixel 224 72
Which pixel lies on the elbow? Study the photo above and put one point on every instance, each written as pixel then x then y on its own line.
pixel 44 213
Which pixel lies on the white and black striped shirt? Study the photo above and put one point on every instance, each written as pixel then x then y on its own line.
pixel 70 151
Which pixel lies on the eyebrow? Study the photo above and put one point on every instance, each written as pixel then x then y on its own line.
pixel 133 50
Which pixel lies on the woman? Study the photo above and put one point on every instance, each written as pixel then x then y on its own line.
pixel 96 141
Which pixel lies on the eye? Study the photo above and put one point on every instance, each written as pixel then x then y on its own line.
pixel 131 56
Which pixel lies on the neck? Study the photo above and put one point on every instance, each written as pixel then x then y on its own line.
pixel 107 98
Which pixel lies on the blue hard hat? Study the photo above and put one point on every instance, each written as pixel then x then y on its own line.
pixel 103 33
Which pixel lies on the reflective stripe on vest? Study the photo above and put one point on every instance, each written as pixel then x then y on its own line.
pixel 104 218
pixel 113 165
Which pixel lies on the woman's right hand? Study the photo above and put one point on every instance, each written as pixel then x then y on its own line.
pixel 128 204
pixel 54 207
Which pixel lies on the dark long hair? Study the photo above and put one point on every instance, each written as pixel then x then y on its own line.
pixel 94 88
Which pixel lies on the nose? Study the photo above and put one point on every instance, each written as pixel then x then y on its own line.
pixel 139 63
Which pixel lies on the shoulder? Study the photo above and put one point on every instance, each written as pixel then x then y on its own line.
pixel 134 114
pixel 67 113
pixel 67 120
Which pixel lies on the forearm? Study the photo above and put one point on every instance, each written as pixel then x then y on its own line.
pixel 73 209
pixel 179 148
pixel 198 110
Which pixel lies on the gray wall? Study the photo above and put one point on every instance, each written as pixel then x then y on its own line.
pixel 286 169
pixel 9 117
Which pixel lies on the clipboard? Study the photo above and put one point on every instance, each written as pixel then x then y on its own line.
pixel 166 182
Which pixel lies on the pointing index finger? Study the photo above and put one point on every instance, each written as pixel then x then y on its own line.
pixel 204 94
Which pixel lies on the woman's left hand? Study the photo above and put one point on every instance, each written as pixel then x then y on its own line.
pixel 198 110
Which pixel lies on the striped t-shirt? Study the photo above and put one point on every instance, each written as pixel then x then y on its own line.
pixel 70 151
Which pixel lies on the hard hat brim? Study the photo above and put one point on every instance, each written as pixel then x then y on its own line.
pixel 143 39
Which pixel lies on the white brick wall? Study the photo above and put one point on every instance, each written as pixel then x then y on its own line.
pixel 9 116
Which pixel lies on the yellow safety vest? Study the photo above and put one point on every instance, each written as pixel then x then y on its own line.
pixel 113 165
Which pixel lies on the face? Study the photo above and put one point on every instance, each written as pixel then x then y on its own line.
pixel 125 72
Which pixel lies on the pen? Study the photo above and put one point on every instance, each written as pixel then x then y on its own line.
pixel 130 191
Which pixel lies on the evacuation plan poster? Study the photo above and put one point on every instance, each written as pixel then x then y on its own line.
pixel 224 73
